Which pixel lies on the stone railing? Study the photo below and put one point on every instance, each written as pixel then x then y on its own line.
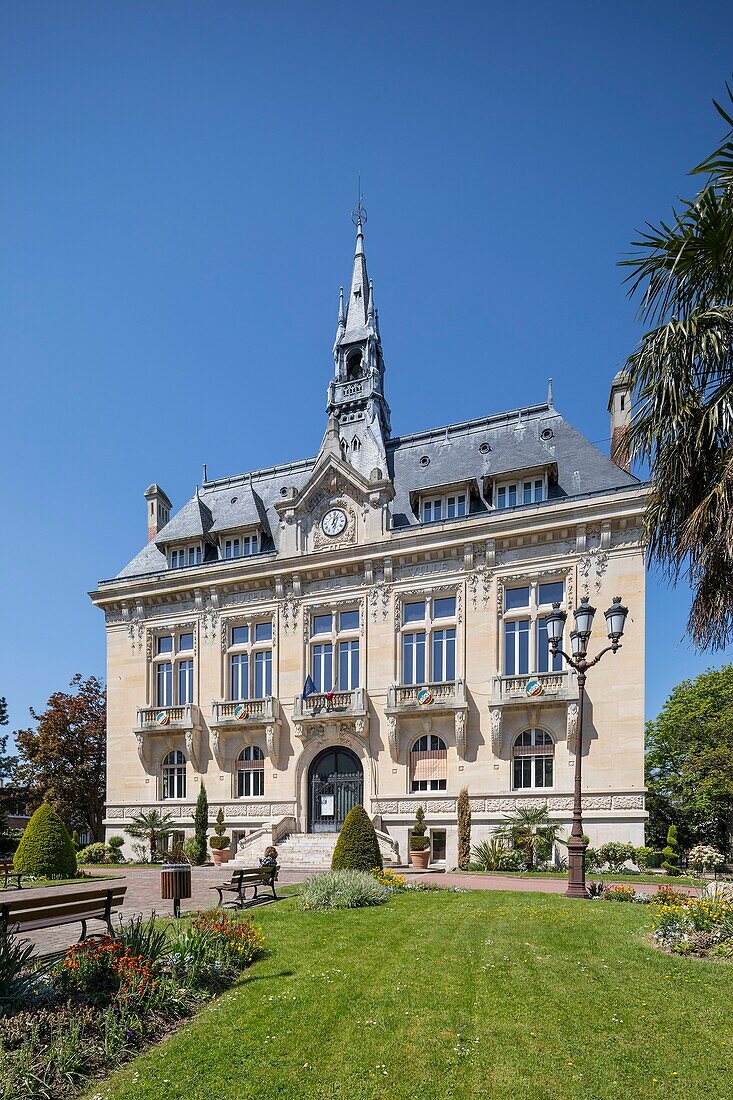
pixel 184 717
pixel 335 703
pixel 449 695
pixel 241 711
pixel 253 845
pixel 342 391
pixel 536 685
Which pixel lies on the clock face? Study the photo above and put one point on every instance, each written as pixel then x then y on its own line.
pixel 334 522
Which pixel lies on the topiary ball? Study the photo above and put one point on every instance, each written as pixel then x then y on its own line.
pixel 357 848
pixel 45 848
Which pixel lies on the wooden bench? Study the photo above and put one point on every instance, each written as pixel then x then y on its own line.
pixel 56 907
pixel 241 879
pixel 6 869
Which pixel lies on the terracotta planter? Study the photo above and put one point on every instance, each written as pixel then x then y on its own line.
pixel 217 856
pixel 420 859
pixel 225 854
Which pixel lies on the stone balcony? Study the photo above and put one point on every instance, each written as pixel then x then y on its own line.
pixel 410 700
pixel 182 721
pixel 534 690
pixel 242 717
pixel 335 709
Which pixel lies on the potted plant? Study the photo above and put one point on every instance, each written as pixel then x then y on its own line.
pixel 419 843
pixel 220 842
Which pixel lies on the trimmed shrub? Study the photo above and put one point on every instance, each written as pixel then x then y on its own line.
pixel 671 853
pixel 93 853
pixel 464 829
pixel 615 854
pixel 220 840
pixel 342 889
pixel 357 848
pixel 512 860
pixel 45 847
pixel 196 852
pixel 642 856
pixel 418 841
pixel 115 844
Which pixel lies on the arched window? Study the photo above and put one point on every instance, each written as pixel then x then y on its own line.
pixel 534 758
pixel 174 775
pixel 353 366
pixel 356 443
pixel 429 764
pixel 250 772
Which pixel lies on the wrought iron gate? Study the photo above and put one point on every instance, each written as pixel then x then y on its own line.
pixel 331 799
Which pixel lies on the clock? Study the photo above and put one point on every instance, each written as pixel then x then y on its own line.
pixel 334 522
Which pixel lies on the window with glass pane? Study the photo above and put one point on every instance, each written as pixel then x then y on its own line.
pixel 428 764
pixel 174 775
pixel 322 668
pixel 322 624
pixel 414 612
pixel 533 764
pixel 516 647
pixel 164 684
pixel 444 607
pixel 348 665
pixel 546 661
pixel 501 497
pixel 539 491
pixel 240 635
pixel 194 555
pixel 165 643
pixel 527 492
pixel 251 773
pixel 239 679
pixel 185 641
pixel 348 620
pixel 456 507
pixel 263 632
pixel 551 592
pixel 185 682
pixel 413 658
pixel 263 674
pixel 516 597
pixel 444 655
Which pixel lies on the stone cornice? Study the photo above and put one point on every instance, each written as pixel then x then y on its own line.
pixel 434 541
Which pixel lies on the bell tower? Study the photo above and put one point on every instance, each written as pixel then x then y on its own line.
pixel 356 401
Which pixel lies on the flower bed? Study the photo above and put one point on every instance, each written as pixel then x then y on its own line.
pixel 694 926
pixel 67 1020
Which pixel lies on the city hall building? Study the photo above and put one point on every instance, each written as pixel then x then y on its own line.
pixel 368 626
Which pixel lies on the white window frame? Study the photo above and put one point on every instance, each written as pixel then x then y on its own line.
pixel 251 648
pixel 534 612
pixel 334 638
pixel 239 545
pixel 174 658
pixel 429 501
pixel 428 626
pixel 518 483
pixel 195 548
pixel 260 759
pixel 433 743
pixel 175 772
pixel 533 758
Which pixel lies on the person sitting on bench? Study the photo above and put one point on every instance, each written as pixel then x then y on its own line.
pixel 269 859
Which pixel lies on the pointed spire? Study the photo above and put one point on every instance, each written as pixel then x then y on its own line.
pixel 356 310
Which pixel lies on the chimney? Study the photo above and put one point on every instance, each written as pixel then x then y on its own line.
pixel 158 509
pixel 619 407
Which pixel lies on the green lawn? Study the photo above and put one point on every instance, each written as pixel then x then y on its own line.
pixel 640 877
pixel 434 996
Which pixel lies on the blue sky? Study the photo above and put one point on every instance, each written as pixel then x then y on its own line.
pixel 174 217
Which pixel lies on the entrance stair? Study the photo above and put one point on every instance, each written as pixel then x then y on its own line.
pixel 309 850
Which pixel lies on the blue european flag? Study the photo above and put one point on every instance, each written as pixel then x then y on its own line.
pixel 309 688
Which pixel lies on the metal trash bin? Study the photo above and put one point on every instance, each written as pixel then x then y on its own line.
pixel 175 883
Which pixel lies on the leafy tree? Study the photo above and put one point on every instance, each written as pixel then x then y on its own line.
pixel 151 826
pixel 689 762
pixel 464 829
pixel 197 845
pixel 62 761
pixel 357 848
pixel 7 763
pixel 683 378
pixel 45 847
pixel 530 830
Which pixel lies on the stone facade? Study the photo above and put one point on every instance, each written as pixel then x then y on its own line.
pixel 341 534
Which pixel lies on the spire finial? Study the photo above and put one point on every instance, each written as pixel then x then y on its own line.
pixel 342 315
pixel 370 308
pixel 550 401
pixel 359 214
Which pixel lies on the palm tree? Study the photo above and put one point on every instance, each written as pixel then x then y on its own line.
pixel 682 373
pixel 530 830
pixel 152 826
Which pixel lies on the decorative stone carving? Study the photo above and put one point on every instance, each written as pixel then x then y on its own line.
pixel 290 611
pixel 142 748
pixel 299 730
pixel 628 802
pixel 322 541
pixel 272 736
pixel 359 726
pixel 591 568
pixel 572 725
pixel 379 602
pixel 216 745
pixel 392 736
pixel 460 725
pixel 479 586
pixel 192 747
pixel 496 729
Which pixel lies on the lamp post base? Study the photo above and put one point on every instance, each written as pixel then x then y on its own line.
pixel 576 868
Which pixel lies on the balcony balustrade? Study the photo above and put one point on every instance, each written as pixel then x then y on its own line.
pixel 536 686
pixel 243 712
pixel 448 695
pixel 167 719
pixel 333 704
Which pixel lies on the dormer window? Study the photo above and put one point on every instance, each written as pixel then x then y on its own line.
pixel 512 493
pixel 453 506
pixel 186 555
pixel 241 546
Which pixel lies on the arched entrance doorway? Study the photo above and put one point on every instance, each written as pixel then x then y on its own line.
pixel 335 786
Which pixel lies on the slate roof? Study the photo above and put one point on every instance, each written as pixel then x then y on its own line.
pixel 515 441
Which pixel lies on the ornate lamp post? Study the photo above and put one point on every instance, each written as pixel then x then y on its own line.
pixel 579 638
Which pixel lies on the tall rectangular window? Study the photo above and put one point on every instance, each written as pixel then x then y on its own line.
pixel 322 668
pixel 546 662
pixel 164 684
pixel 185 682
pixel 239 678
pixel 413 657
pixel 263 673
pixel 516 647
pixel 444 655
pixel 348 665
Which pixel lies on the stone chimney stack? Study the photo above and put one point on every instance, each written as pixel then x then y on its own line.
pixel 158 509
pixel 619 407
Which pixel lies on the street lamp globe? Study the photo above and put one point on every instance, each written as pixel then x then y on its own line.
pixel 616 619
pixel 578 643
pixel 584 617
pixel 555 624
